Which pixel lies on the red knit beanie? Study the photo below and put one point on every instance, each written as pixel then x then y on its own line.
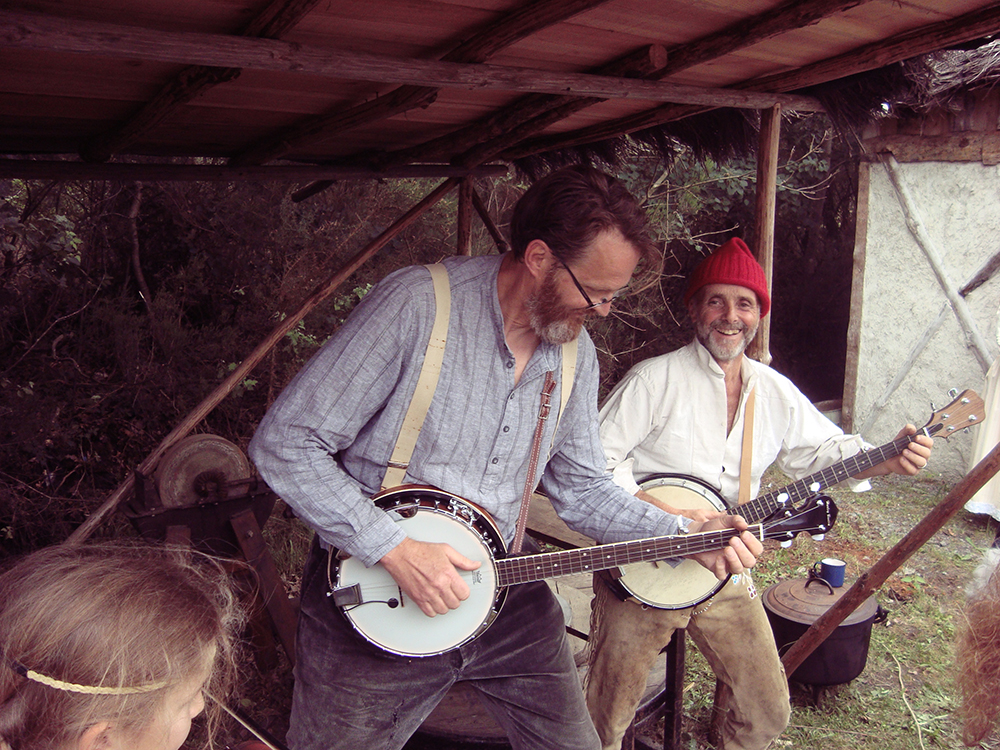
pixel 733 263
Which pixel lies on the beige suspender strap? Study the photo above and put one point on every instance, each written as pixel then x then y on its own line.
pixel 426 383
pixel 747 454
pixel 569 350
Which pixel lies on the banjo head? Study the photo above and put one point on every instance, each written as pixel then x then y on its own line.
pixel 393 622
pixel 658 584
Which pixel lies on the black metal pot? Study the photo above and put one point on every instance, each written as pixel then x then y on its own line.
pixel 792 606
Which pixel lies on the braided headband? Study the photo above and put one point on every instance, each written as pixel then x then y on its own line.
pixel 87 689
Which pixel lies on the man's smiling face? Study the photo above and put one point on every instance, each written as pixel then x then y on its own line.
pixel 725 317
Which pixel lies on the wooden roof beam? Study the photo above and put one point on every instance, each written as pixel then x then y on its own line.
pixel 35 31
pixel 522 22
pixel 31 169
pixel 191 82
pixel 920 41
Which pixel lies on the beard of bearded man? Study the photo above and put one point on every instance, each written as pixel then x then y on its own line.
pixel 729 351
pixel 551 320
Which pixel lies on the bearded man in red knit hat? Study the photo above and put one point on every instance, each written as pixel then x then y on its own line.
pixel 701 412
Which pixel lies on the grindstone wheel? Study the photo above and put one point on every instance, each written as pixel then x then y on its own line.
pixel 198 468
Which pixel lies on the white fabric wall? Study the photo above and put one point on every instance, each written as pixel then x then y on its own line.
pixel 959 204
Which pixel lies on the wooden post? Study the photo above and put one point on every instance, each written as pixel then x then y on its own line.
pixel 464 229
pixel 82 532
pixel 763 240
pixel 891 560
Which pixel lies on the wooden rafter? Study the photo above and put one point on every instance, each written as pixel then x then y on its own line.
pixel 868 57
pixel 34 31
pixel 191 82
pixel 526 20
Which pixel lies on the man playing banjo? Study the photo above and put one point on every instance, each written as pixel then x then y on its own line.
pixel 327 443
pixel 687 413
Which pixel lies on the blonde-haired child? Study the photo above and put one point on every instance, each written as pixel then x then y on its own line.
pixel 111 647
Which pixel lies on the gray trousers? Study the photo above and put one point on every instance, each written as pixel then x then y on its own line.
pixel 350 694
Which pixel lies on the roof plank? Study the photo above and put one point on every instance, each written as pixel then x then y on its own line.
pixel 189 83
pixel 518 24
pixel 970 26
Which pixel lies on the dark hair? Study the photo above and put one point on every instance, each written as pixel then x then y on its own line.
pixel 568 208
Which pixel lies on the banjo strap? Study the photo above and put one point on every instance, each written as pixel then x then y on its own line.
pixel 529 485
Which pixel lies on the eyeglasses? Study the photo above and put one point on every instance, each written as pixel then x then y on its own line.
pixel 590 304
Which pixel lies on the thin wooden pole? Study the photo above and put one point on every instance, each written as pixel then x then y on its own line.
pixel 919 231
pixel 491 227
pixel 764 210
pixel 82 532
pixel 891 560
pixel 464 222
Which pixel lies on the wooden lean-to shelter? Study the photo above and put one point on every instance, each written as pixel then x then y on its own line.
pixel 303 91
pixel 310 92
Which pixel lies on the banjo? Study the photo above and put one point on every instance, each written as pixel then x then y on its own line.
pixel 378 610
pixel 689 584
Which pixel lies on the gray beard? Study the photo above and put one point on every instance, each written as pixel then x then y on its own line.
pixel 724 354
pixel 548 317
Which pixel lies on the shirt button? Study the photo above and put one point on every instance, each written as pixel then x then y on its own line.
pixel 495 460
pixel 509 364
pixel 506 428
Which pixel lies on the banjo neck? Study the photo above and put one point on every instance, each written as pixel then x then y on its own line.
pixel 537 567
pixel 763 506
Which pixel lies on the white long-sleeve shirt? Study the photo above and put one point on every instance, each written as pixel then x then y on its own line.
pixel 668 415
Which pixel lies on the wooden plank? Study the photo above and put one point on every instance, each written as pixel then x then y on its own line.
pixel 33 31
pixel 272 590
pixel 464 219
pixel 960 147
pixel 67 170
pixel 979 23
pixel 491 227
pixel 502 122
pixel 745 33
pixel 852 365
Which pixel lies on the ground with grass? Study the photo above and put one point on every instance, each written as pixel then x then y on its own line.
pixel 905 697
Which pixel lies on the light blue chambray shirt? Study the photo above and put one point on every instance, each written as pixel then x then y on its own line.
pixel 324 445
